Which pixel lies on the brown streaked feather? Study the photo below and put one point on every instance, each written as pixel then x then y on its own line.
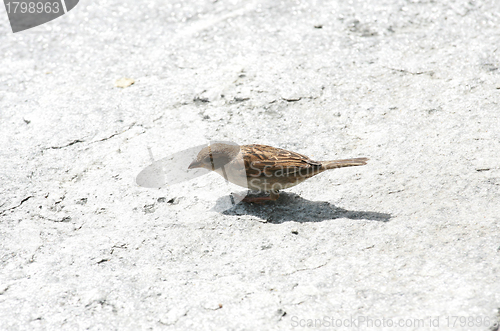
pixel 262 160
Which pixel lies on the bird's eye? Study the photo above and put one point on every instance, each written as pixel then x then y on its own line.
pixel 207 160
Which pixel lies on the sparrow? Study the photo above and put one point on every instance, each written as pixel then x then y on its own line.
pixel 264 168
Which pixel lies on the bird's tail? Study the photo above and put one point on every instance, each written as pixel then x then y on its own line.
pixel 344 163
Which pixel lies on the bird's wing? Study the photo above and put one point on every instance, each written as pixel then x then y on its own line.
pixel 261 160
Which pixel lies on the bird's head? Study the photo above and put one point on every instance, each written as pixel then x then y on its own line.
pixel 215 156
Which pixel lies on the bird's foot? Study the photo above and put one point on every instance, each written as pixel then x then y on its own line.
pixel 273 196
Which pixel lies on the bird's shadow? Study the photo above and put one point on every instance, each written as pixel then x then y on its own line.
pixel 292 207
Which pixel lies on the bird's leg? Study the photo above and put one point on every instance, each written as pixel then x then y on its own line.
pixel 273 196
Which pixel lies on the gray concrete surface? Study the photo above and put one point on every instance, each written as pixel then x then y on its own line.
pixel 413 237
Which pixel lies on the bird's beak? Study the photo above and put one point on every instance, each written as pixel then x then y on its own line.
pixel 195 164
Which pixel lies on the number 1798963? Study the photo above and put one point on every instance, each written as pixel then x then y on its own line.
pixel 32 7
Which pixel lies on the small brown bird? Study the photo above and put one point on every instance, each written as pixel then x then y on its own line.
pixel 264 168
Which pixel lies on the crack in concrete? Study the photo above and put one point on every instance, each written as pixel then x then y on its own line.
pixel 404 71
pixel 114 134
pixel 19 205
pixel 304 269
pixel 82 140
pixel 292 99
pixel 5 289
pixel 76 141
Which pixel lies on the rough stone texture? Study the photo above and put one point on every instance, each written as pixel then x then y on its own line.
pixel 414 85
